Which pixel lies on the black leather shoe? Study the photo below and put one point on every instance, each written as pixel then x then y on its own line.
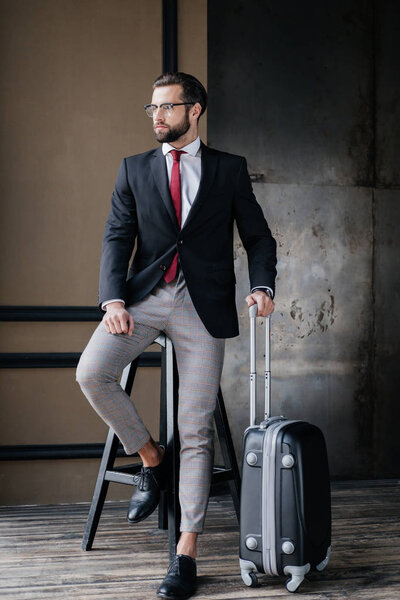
pixel 146 497
pixel 180 580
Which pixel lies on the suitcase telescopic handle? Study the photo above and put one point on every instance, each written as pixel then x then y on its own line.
pixel 253 309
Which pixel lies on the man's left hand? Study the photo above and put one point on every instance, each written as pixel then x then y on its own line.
pixel 264 301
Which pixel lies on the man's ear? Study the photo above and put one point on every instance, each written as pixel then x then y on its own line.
pixel 197 106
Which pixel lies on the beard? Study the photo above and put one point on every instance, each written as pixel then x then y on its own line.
pixel 173 133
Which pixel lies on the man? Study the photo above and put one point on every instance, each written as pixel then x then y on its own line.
pixel 179 203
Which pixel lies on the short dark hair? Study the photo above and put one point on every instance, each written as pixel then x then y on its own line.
pixel 193 90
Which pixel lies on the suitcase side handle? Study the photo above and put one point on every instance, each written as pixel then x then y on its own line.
pixel 253 309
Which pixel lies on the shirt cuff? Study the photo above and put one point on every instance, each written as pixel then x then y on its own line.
pixel 104 304
pixel 263 287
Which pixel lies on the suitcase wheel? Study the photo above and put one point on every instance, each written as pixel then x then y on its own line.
pixel 247 571
pixel 323 564
pixel 292 585
pixel 250 578
pixel 297 575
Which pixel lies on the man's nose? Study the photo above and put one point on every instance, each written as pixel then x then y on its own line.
pixel 156 111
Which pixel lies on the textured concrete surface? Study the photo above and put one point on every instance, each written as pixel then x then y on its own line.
pixel 321 327
pixel 387 331
pixel 309 93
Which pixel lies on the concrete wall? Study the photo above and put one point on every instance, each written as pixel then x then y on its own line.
pixel 308 92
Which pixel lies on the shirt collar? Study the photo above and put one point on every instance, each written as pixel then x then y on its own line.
pixel 191 148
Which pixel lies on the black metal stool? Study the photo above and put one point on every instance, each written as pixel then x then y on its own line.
pixel 169 508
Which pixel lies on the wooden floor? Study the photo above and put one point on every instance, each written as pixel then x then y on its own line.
pixel 41 556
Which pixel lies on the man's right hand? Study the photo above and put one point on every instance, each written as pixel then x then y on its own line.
pixel 117 319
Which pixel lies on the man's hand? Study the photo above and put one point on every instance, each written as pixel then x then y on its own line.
pixel 117 319
pixel 264 301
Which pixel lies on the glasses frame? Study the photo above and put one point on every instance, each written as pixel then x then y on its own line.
pixel 171 104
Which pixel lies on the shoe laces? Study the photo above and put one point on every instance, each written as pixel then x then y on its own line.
pixel 175 565
pixel 142 479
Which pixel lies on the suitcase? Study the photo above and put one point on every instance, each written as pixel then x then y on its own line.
pixel 285 505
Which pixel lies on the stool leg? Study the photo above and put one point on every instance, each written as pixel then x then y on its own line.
pixel 163 504
pixel 107 463
pixel 100 491
pixel 227 449
pixel 173 449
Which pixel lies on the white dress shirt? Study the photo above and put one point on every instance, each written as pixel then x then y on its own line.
pixel 190 172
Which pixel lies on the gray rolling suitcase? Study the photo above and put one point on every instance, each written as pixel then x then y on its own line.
pixel 285 508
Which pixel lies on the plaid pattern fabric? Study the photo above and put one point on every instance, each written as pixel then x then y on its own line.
pixel 168 308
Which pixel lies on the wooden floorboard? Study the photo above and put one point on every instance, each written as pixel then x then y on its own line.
pixel 40 555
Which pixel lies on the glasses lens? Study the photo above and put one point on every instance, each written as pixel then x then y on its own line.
pixel 167 108
pixel 149 110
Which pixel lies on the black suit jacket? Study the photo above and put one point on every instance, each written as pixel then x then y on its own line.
pixel 142 210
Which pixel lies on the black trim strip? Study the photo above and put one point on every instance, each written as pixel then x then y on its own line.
pixel 56 360
pixel 54 451
pixel 50 313
pixel 170 35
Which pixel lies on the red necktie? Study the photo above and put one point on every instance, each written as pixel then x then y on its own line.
pixel 175 188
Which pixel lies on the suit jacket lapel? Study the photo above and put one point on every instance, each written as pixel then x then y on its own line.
pixel 159 170
pixel 209 163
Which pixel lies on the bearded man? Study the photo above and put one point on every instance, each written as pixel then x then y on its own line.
pixel 179 203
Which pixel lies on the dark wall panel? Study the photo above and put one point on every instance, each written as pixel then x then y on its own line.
pixel 291 86
pixel 387 20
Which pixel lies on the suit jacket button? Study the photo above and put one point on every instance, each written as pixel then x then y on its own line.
pixel 163 267
pixel 181 241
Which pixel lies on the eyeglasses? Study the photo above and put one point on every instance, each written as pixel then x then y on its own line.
pixel 167 108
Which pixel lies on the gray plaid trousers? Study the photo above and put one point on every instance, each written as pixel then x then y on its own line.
pixel 169 309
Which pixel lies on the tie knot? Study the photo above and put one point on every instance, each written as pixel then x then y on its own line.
pixel 176 154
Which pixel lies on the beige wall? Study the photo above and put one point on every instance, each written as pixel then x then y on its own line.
pixel 192 45
pixel 75 75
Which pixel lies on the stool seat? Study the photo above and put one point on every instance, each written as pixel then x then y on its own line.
pixel 169 508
